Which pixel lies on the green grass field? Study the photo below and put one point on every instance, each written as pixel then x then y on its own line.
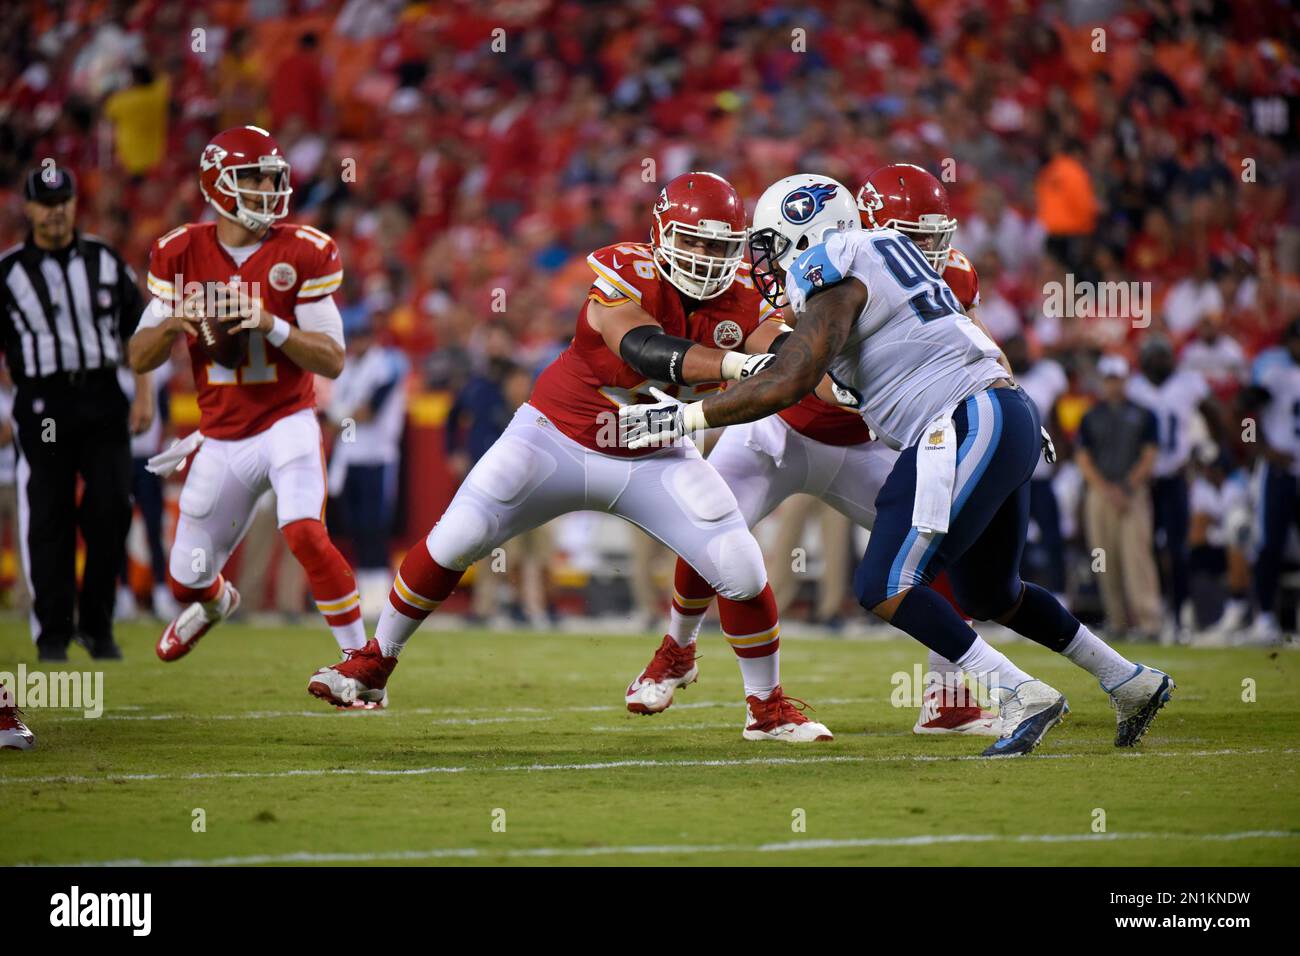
pixel 533 725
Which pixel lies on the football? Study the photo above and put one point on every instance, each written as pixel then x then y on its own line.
pixel 223 342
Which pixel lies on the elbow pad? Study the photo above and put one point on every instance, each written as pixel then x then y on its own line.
pixel 779 341
pixel 654 353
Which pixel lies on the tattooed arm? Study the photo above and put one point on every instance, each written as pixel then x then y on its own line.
pixel 821 331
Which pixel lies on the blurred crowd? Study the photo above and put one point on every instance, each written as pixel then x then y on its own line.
pixel 467 156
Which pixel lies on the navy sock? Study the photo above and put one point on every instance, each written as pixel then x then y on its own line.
pixel 1043 619
pixel 930 619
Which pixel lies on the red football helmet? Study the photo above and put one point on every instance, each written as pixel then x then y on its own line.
pixel 237 151
pixel 907 198
pixel 698 238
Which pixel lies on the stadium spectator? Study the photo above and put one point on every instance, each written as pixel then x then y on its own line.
pixel 1117 452
pixel 1067 205
pixel 139 118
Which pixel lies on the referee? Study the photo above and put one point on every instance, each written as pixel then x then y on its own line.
pixel 67 303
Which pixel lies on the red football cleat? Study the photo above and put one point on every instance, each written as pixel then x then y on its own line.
pixel 14 734
pixel 361 677
pixel 191 624
pixel 954 710
pixel 671 667
pixel 777 718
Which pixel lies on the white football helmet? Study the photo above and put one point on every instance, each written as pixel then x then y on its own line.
pixel 792 215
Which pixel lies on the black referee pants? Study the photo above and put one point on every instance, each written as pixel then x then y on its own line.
pixel 68 428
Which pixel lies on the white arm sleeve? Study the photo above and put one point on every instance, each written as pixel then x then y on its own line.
pixel 155 313
pixel 320 315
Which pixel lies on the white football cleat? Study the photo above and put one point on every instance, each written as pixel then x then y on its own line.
pixel 192 623
pixel 1028 710
pixel 953 710
pixel 1137 700
pixel 777 718
pixel 671 667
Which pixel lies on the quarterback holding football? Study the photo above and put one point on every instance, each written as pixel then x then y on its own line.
pixel 253 295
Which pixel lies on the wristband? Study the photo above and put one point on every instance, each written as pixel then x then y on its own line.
pixel 693 419
pixel 732 365
pixel 279 333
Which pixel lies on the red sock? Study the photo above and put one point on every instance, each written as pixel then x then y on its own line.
pixel 692 596
pixel 421 583
pixel 202 595
pixel 753 630
pixel 333 585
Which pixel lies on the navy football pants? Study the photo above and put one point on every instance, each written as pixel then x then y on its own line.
pixel 998 444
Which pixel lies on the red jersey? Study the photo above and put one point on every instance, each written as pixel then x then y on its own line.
pixel 581 390
pixel 293 265
pixel 837 425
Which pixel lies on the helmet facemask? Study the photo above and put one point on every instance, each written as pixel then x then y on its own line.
pixel 932 234
pixel 256 209
pixel 697 274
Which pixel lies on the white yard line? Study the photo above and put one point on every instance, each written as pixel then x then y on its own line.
pixel 602 765
pixel 500 713
pixel 791 846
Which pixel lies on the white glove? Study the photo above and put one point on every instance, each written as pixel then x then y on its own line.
pixel 173 459
pixel 1049 449
pixel 737 366
pixel 646 426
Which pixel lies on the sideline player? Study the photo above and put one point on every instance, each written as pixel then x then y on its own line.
pixel 257 427
pixel 680 311
pixel 930 383
pixel 819 447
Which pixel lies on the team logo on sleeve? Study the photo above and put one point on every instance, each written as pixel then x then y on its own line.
pixel 814 276
pixel 805 202
pixel 283 276
pixel 727 334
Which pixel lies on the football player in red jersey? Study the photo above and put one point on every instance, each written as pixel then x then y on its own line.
pixel 818 446
pixel 681 313
pixel 258 427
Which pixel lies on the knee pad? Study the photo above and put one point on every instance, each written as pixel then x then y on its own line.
pixel 871 589
pixel 191 565
pixel 700 491
pixel 464 535
pixel 509 469
pixel 741 574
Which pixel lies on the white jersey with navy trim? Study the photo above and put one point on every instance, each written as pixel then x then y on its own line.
pixel 1279 420
pixel 1174 402
pixel 912 353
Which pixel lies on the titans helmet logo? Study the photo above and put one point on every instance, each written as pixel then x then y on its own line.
pixel 805 202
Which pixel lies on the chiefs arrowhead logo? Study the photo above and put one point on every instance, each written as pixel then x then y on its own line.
pixel 662 204
pixel 870 201
pixel 212 157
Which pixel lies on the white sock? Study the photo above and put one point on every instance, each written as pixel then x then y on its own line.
pixel 352 636
pixel 946 674
pixel 761 674
pixel 394 630
pixel 1098 658
pixel 990 667
pixel 684 629
pixel 219 606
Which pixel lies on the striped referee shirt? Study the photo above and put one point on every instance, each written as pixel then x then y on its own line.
pixel 65 310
